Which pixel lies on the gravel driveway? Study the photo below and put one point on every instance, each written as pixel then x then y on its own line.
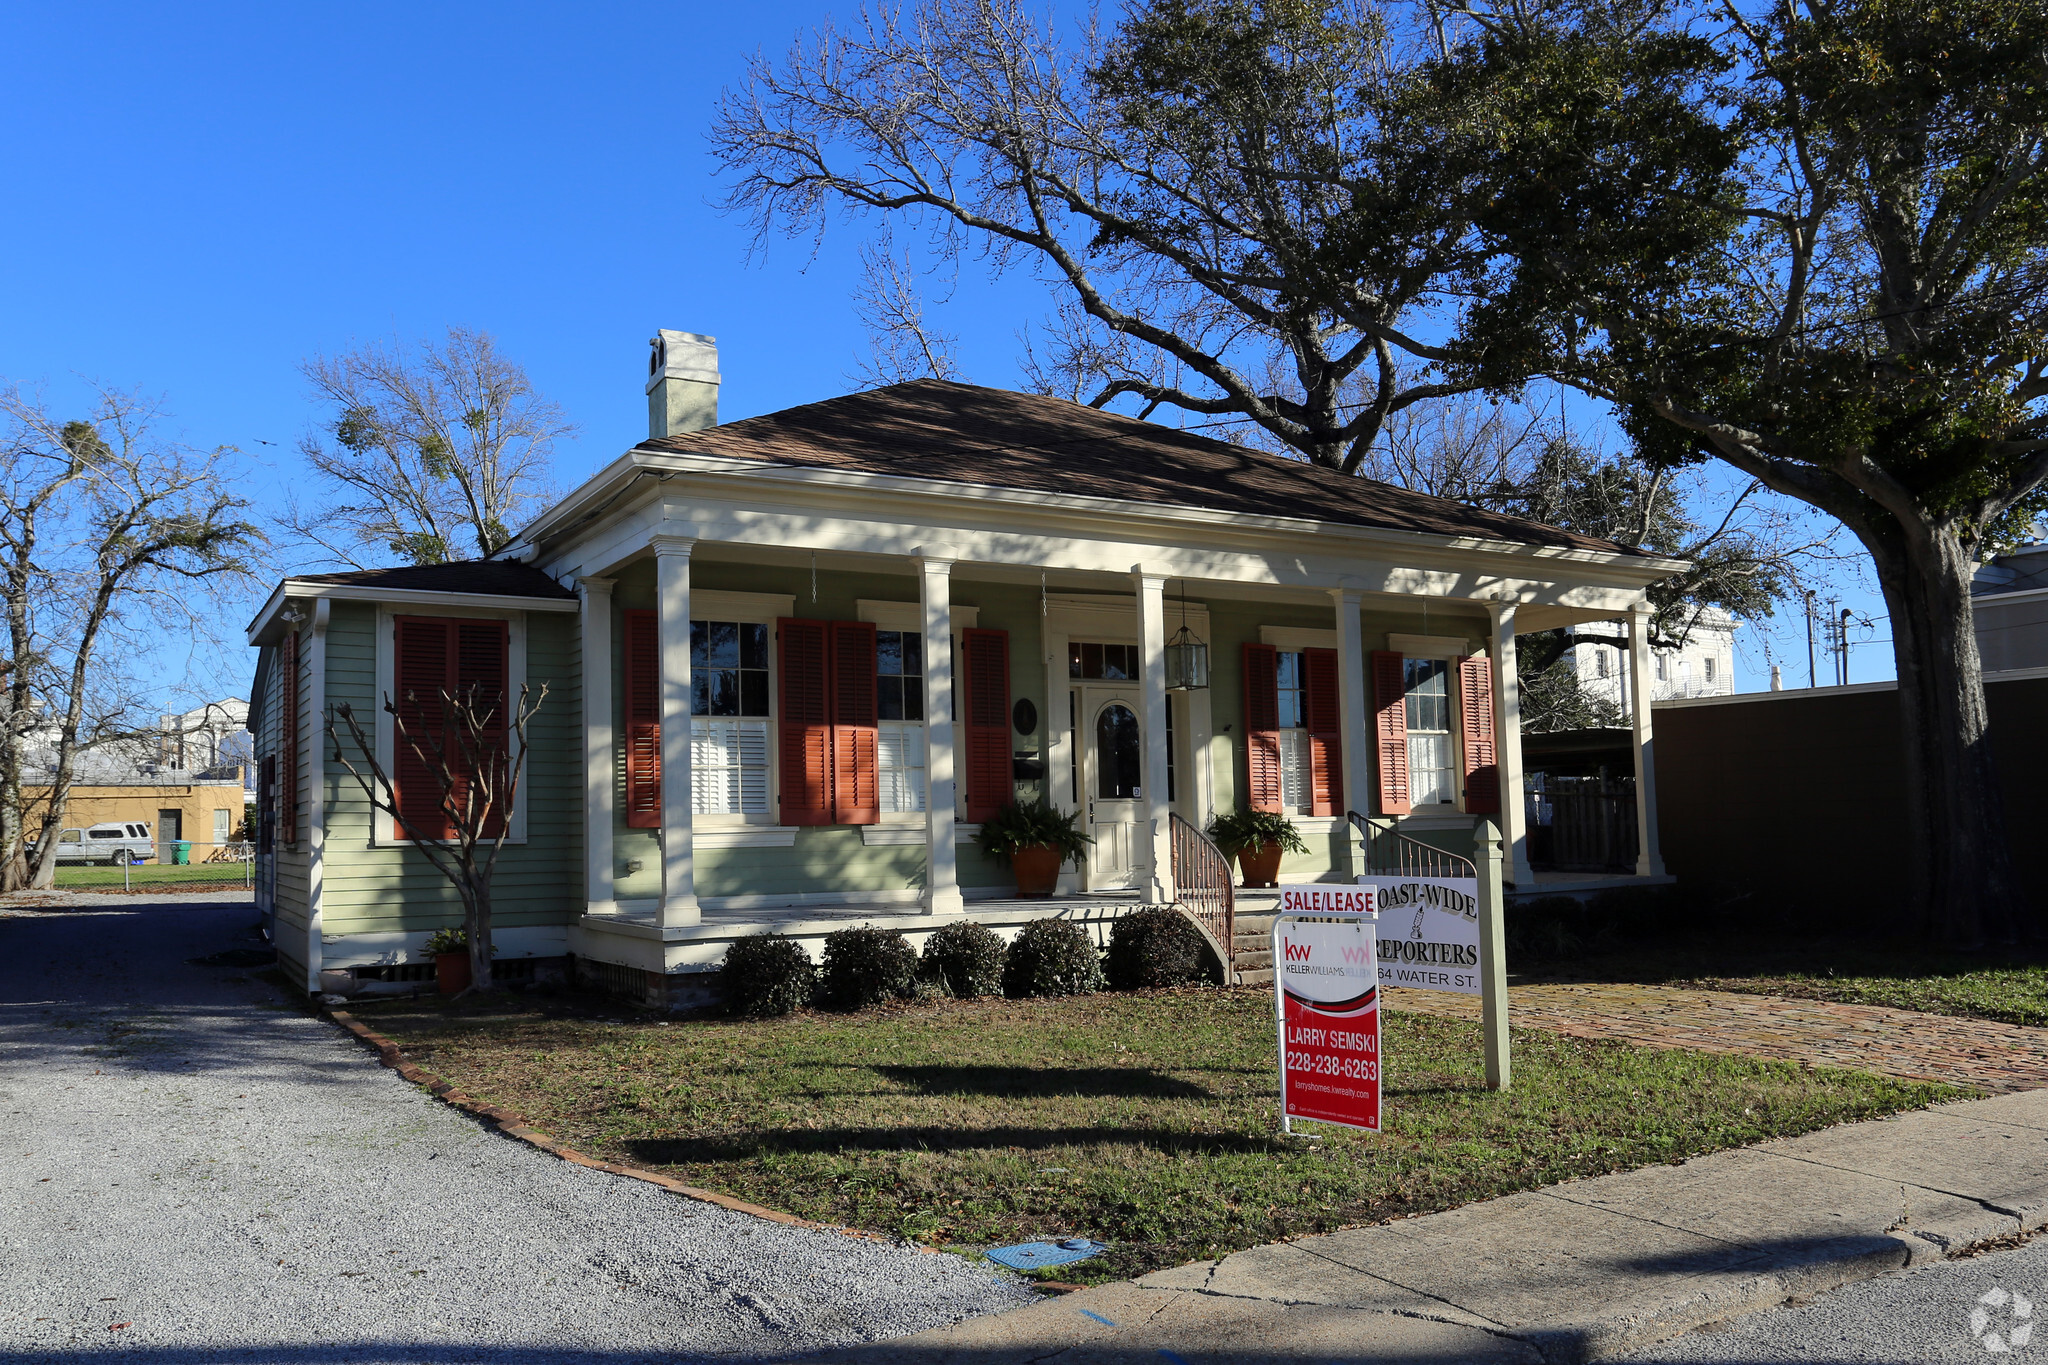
pixel 192 1171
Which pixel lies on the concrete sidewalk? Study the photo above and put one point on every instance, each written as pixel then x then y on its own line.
pixel 1576 1272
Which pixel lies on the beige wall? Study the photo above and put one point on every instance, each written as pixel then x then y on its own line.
pixel 196 802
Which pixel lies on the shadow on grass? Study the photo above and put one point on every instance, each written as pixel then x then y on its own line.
pixel 1086 1082
pixel 684 1151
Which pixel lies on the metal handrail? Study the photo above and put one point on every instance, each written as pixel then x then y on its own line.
pixel 1202 889
pixel 1390 853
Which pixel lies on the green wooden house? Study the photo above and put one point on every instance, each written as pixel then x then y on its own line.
pixel 793 661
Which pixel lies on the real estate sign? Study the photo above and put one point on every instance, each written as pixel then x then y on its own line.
pixel 1429 931
pixel 1326 988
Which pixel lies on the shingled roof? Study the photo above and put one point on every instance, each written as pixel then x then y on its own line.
pixel 961 433
pixel 492 577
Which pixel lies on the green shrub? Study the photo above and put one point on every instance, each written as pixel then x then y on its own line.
pixel 1157 947
pixel 767 975
pixel 450 941
pixel 967 957
pixel 1052 957
pixel 865 966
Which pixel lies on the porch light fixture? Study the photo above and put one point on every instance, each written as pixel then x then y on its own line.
pixel 1187 659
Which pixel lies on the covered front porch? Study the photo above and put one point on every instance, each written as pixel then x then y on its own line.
pixel 1074 710
pixel 820 648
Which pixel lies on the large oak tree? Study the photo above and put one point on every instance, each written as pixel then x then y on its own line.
pixel 1827 266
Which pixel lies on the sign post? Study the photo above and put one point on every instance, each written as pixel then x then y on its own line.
pixel 1326 993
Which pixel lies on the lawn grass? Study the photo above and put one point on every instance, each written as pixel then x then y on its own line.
pixel 2010 988
pixel 150 874
pixel 1147 1120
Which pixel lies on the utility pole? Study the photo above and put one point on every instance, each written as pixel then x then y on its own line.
pixel 1812 675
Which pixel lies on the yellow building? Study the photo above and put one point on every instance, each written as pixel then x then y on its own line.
pixel 206 811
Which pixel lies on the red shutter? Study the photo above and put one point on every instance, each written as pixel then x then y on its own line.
pixel 1262 726
pixel 1475 724
pixel 986 706
pixel 1325 730
pixel 288 740
pixel 1390 724
pixel 481 665
pixel 642 694
pixel 424 667
pixel 856 782
pixel 803 656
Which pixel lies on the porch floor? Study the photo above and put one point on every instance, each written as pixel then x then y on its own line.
pixel 1581 883
pixel 803 921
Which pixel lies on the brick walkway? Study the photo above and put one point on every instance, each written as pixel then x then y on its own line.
pixel 1977 1052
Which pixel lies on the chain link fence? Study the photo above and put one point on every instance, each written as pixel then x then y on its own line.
pixel 165 865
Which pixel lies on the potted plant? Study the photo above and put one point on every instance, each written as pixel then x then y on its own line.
pixel 1036 841
pixel 1257 839
pixel 450 950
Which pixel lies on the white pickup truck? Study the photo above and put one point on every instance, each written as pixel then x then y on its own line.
pixel 116 843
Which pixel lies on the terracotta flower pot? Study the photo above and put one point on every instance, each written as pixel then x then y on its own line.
pixel 451 972
pixel 1261 865
pixel 1037 869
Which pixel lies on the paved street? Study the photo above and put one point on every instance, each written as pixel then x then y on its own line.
pixel 1922 1315
pixel 193 1173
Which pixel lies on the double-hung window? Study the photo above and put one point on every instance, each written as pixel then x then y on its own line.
pixel 1297 764
pixel 728 718
pixel 899 707
pixel 1430 754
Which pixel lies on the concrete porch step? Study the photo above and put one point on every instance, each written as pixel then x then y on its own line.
pixel 1255 976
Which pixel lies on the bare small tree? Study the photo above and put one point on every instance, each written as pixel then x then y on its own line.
pixel 431 453
pixel 476 757
pixel 106 531
pixel 902 343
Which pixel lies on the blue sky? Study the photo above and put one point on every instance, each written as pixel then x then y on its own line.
pixel 199 199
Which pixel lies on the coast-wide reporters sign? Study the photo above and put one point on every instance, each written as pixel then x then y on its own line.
pixel 1429 931
pixel 1327 997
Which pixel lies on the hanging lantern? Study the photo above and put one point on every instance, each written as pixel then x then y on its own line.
pixel 1187 662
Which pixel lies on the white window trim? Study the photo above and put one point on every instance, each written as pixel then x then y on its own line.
pixel 755 609
pixel 1294 639
pixel 1453 715
pixel 383 829
pixel 909 616
pixel 1449 648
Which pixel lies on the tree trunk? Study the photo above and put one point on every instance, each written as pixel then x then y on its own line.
pixel 479 930
pixel 1960 864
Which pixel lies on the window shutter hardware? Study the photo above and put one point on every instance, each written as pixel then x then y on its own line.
pixel 986 705
pixel 1262 727
pixel 1390 718
pixel 1324 717
pixel 642 696
pixel 1475 724
pixel 805 720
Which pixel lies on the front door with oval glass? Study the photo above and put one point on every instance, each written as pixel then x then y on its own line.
pixel 1113 765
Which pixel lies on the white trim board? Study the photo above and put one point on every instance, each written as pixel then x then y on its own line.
pixel 1295 638
pixel 1431 646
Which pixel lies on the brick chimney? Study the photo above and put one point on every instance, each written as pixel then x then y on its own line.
pixel 682 383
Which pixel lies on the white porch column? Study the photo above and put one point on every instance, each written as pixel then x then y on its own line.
pixel 1649 862
pixel 672 595
pixel 599 746
pixel 1156 828
pixel 942 859
pixel 1351 700
pixel 1507 745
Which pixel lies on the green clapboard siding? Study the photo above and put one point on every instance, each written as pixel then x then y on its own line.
pixel 538 882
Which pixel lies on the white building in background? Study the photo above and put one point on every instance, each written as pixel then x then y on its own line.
pixel 1703 667
pixel 207 736
pixel 2009 597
